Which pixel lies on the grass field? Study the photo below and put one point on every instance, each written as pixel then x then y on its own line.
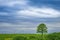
pixel 53 36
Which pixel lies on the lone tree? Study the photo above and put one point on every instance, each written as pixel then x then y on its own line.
pixel 42 29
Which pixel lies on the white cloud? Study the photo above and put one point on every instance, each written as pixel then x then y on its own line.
pixel 26 29
pixel 27 26
pixel 53 27
pixel 13 2
pixel 11 28
pixel 18 25
pixel 29 11
pixel 40 12
pixel 54 24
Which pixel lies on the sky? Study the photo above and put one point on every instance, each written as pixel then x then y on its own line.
pixel 23 16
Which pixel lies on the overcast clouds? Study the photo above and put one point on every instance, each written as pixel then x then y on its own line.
pixel 23 16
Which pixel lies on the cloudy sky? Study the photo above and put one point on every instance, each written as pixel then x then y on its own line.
pixel 23 16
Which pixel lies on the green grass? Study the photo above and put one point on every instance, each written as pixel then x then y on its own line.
pixel 53 36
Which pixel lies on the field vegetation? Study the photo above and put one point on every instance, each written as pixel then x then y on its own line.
pixel 52 36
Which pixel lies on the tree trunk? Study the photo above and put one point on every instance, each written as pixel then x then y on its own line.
pixel 42 35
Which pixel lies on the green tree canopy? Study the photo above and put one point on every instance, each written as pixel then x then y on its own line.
pixel 42 28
